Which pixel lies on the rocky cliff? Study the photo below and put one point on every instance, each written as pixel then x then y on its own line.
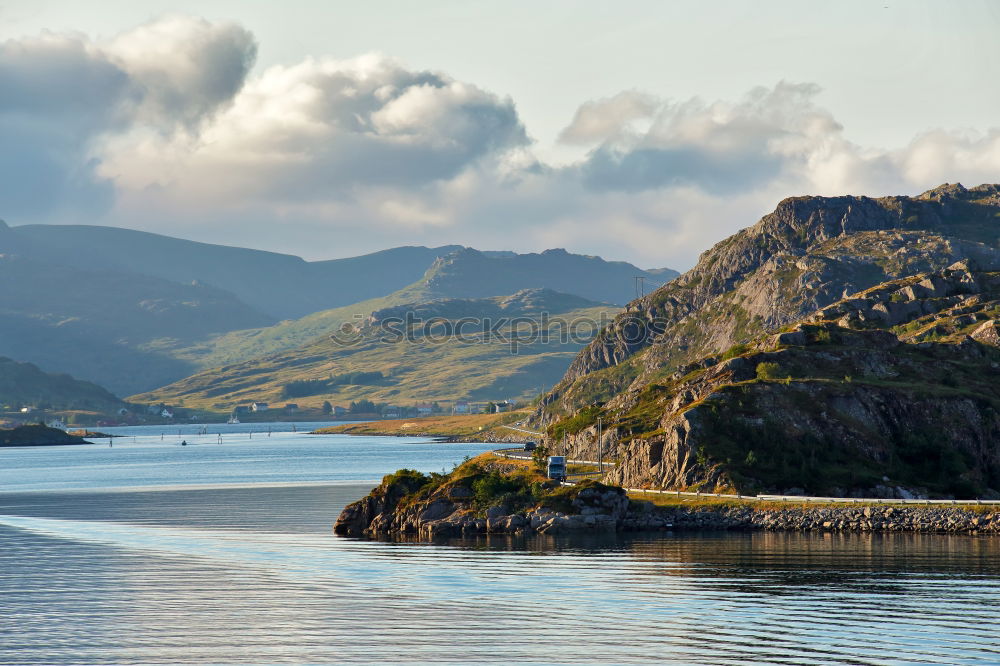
pixel 888 391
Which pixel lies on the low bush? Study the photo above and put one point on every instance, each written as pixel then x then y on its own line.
pixel 767 370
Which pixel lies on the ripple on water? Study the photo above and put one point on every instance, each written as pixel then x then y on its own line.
pixel 253 575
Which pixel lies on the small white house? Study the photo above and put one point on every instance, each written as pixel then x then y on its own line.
pixel 258 407
pixel 167 413
pixel 460 407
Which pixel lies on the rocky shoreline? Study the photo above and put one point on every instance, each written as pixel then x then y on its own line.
pixel 878 518
pixel 398 507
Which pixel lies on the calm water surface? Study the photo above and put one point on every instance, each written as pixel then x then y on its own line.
pixel 149 552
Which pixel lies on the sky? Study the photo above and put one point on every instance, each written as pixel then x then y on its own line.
pixel 640 131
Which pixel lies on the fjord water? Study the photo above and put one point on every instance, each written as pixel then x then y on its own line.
pixel 150 552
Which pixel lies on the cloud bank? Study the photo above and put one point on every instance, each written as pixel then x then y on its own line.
pixel 165 127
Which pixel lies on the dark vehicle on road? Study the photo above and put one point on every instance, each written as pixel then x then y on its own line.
pixel 556 469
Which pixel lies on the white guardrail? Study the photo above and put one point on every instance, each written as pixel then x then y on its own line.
pixel 521 454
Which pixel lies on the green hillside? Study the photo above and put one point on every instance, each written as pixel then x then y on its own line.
pixel 378 365
pixel 463 274
pixel 133 310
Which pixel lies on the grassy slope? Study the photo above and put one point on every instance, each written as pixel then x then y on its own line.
pixel 237 346
pixel 475 370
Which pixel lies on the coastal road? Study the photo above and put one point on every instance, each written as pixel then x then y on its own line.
pixel 520 454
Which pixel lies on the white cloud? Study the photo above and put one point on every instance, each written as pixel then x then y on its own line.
pixel 323 130
pixel 186 67
pixel 61 94
pixel 164 127
pixel 610 118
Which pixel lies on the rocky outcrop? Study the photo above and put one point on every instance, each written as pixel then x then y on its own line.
pixel 398 507
pixel 38 435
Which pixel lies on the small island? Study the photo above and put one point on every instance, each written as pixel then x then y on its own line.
pixel 38 435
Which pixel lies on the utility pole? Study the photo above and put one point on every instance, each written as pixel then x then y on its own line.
pixel 640 285
pixel 600 448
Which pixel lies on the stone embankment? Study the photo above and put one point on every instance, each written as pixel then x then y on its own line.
pixel 645 516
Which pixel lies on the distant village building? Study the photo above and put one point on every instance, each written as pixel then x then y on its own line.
pixel 425 408
pixel 502 406
pixel 56 423
pixel 258 407
pixel 339 411
pixel 460 407
pixel 477 408
pixel 167 413
pixel 291 408
pixel 27 410
pixel 391 412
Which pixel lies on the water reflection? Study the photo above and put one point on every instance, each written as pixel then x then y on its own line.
pixel 254 575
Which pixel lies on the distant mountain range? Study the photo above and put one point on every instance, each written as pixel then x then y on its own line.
pixel 132 310
pixel 281 285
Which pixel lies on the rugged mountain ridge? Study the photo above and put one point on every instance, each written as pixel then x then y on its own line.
pixel 894 391
pixel 808 253
pixel 469 273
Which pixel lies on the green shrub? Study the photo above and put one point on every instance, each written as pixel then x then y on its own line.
pixel 734 351
pixel 583 419
pixel 540 457
pixel 410 479
pixel 767 370
pixel 492 489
